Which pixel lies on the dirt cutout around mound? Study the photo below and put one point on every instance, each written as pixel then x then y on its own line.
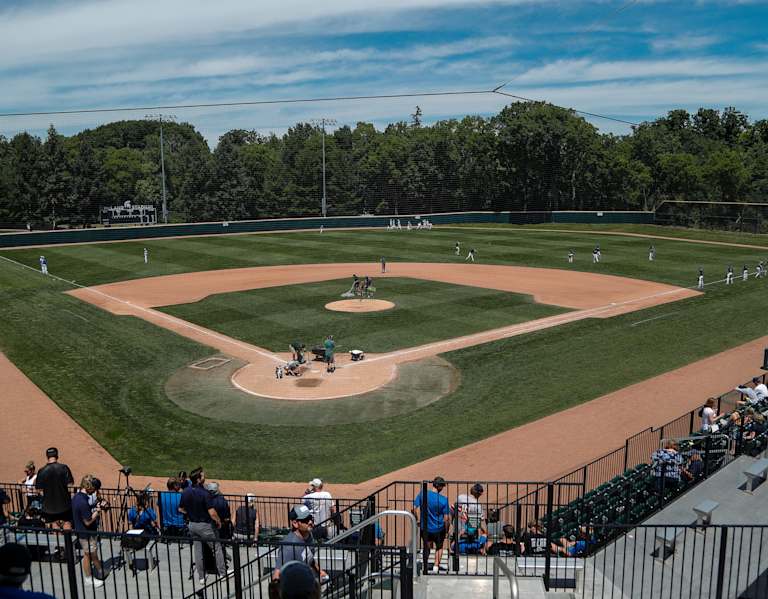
pixel 589 295
pixel 360 305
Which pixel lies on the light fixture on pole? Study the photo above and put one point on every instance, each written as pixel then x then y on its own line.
pixel 160 118
pixel 322 122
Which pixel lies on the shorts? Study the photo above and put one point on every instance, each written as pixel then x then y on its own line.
pixel 65 516
pixel 89 544
pixel 437 537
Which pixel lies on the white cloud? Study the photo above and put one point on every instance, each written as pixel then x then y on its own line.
pixel 684 42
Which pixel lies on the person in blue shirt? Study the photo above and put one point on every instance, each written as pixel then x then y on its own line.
pixel 171 519
pixel 435 522
pixel 142 516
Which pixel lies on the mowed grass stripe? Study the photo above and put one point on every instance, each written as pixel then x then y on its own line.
pixel 426 311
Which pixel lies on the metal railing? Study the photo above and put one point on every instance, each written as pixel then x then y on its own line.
pixel 128 566
pixel 499 565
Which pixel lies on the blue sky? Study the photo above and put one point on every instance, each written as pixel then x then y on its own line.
pixel 631 60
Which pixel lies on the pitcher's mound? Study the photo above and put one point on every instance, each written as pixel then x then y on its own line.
pixel 360 305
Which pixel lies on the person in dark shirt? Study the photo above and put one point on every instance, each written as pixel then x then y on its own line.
pixel 221 505
pixel 4 500
pixel 695 467
pixel 508 546
pixel 85 521
pixel 54 480
pixel 15 566
pixel 247 520
pixel 534 540
pixel 204 522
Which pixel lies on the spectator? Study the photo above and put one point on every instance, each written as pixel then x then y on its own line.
pixel 29 480
pixel 4 500
pixel 221 505
pixel 143 517
pixel 184 482
pixel 508 546
pixel 574 547
pixel 708 415
pixel 435 523
pixel 495 526
pixel 756 427
pixel 15 566
pixel 667 463
pixel 204 522
pixel 320 503
pixel 695 468
pixel 534 541
pixel 298 581
pixel 297 544
pixel 470 512
pixel 54 480
pixel 247 520
pixel 755 394
pixel 171 519
pixel 85 521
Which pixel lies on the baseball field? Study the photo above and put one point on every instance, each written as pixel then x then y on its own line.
pixel 467 351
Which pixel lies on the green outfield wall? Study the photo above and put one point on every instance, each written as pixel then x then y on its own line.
pixel 127 233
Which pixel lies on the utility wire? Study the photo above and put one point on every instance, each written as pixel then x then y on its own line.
pixel 247 103
pixel 576 110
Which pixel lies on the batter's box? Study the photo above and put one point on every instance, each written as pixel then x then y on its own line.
pixel 209 363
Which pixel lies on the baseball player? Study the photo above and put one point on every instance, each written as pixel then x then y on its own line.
pixel 330 348
pixel 700 284
pixel 651 253
pixel 383 264
pixel 570 256
pixel 599 253
pixel 745 273
pixel 399 226
pixel 470 255
pixel 321 228
pixel 408 225
pixel 43 265
pixel 759 270
pixel 458 249
pixel 595 256
pixel 146 256
pixel 729 275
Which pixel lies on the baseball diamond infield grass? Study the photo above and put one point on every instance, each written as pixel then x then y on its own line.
pixel 425 311
pixel 109 372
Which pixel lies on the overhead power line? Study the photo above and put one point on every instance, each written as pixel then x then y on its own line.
pixel 576 110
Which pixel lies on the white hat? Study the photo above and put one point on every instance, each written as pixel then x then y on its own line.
pixel 315 483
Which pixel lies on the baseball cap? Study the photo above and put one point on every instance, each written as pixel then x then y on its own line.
pixel 299 512
pixel 52 452
pixel 15 563
pixel 438 481
pixel 297 581
pixel 316 482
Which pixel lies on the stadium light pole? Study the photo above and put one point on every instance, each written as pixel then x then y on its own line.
pixel 323 122
pixel 160 117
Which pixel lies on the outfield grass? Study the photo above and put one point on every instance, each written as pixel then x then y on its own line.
pixel 109 372
pixel 425 311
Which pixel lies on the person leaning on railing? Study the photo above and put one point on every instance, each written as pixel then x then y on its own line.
pixel 667 463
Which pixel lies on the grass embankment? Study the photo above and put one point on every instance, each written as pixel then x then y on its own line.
pixel 108 372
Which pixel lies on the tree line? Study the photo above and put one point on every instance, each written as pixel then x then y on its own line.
pixel 529 156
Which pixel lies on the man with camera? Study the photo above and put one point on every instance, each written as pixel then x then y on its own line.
pixel 197 503
pixel 85 521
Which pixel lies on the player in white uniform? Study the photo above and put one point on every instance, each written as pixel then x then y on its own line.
pixel 599 253
pixel 595 256
pixel 570 256
pixel 700 284
pixel 43 265
pixel 745 273
pixel 729 276
pixel 408 226
pixel 470 255
pixel 652 253
pixel 146 256
pixel 458 248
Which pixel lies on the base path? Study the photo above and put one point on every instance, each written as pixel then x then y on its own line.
pixel 589 295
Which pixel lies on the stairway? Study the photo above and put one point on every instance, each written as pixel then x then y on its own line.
pixel 470 587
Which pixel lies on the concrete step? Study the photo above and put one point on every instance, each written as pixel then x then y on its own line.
pixel 468 587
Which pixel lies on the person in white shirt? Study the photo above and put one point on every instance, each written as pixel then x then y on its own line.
pixel 320 503
pixel 30 476
pixel 756 394
pixel 708 415
pixel 471 515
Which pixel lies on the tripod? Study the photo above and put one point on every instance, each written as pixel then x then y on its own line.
pixel 126 492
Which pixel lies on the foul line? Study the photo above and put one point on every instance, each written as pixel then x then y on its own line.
pixel 161 315
pixel 634 324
